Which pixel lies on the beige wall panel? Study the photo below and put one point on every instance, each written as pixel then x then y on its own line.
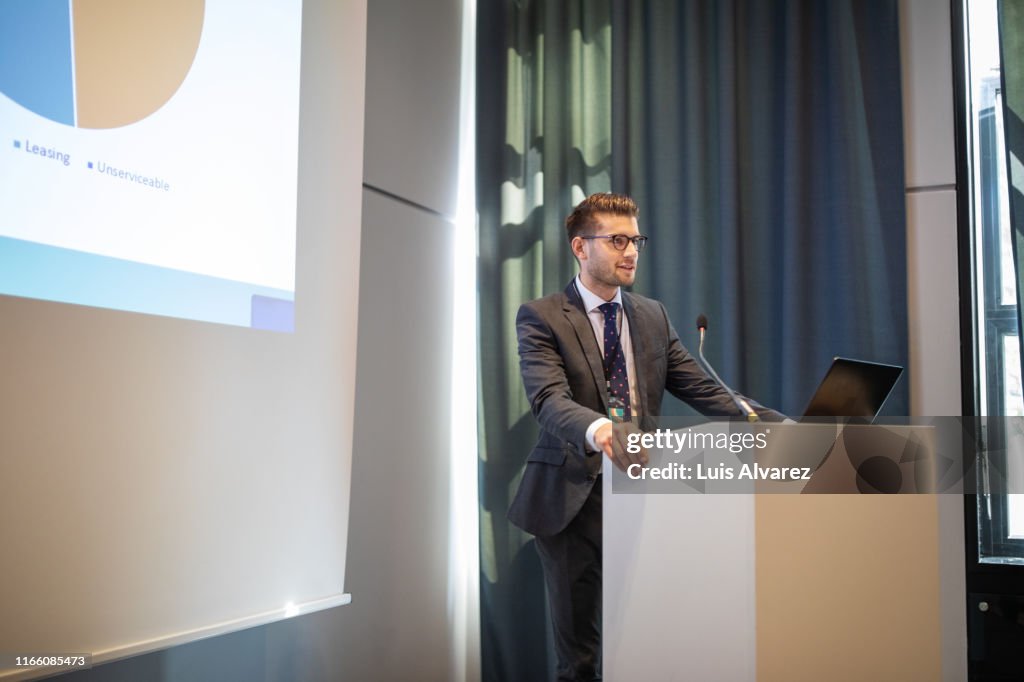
pixel 934 336
pixel 933 304
pixel 927 93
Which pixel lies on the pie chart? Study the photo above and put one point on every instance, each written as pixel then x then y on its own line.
pixel 96 63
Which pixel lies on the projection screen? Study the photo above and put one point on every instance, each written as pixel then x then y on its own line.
pixel 177 316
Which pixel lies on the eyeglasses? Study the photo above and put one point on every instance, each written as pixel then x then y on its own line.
pixel 620 241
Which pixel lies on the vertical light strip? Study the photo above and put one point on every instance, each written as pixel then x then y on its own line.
pixel 972 38
pixel 464 554
pixel 74 71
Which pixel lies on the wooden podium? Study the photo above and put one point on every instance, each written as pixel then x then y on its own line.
pixel 683 595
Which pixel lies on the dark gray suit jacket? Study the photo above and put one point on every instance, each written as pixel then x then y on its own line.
pixel 561 367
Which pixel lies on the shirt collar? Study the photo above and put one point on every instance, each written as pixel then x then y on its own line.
pixel 592 301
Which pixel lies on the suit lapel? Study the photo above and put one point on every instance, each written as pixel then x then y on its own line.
pixel 637 324
pixel 577 316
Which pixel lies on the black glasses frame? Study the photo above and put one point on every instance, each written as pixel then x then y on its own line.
pixel 619 241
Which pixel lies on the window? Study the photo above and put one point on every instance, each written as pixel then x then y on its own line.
pixel 996 345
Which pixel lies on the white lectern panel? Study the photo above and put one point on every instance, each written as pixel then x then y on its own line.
pixel 681 609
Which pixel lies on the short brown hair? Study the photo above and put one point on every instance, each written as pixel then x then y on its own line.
pixel 582 221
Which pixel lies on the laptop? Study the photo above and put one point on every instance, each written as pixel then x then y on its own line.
pixel 853 388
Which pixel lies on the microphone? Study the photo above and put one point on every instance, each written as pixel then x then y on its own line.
pixel 702 327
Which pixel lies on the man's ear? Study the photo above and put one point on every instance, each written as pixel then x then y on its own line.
pixel 577 248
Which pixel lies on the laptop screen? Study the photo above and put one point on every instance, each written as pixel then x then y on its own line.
pixel 853 388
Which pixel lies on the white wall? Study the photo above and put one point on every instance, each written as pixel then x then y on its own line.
pixel 402 621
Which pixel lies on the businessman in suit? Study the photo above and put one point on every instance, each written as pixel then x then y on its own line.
pixel 587 353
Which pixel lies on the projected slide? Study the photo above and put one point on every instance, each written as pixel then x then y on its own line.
pixel 148 156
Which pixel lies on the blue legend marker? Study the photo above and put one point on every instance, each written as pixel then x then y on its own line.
pixel 17 144
pixel 90 164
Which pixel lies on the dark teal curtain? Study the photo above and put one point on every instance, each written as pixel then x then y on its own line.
pixel 544 143
pixel 763 142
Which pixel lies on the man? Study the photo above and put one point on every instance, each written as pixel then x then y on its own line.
pixel 586 353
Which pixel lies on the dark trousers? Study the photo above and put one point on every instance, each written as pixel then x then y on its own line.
pixel 571 561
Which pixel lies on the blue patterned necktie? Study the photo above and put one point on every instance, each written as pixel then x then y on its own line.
pixel 614 359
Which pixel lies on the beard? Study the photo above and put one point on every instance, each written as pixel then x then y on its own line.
pixel 610 274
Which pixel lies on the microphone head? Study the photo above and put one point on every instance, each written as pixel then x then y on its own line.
pixel 702 322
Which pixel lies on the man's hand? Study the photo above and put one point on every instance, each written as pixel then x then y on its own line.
pixel 612 441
